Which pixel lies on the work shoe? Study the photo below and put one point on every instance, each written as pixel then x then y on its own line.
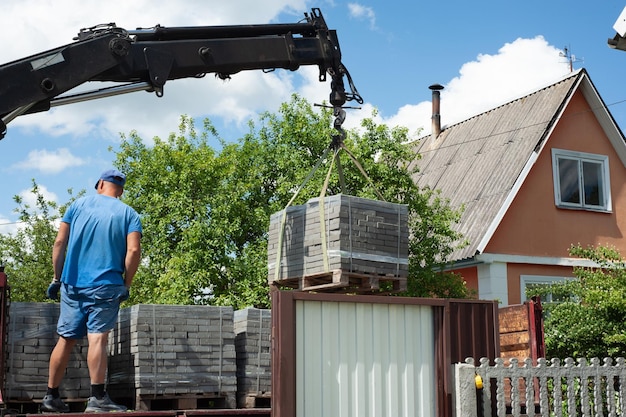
pixel 103 405
pixel 54 405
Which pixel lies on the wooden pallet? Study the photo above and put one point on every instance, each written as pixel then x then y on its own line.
pixel 345 282
pixel 255 400
pixel 184 402
pixel 292 283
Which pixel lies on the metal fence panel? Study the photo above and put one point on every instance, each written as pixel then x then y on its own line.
pixel 358 359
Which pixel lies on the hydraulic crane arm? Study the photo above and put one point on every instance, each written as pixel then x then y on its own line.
pixel 144 59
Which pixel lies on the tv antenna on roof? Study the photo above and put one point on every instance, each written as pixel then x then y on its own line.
pixel 571 58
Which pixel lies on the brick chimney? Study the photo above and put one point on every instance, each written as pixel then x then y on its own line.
pixel 436 117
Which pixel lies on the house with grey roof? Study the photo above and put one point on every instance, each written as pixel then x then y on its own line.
pixel 534 177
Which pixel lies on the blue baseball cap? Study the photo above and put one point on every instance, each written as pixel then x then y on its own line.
pixel 114 176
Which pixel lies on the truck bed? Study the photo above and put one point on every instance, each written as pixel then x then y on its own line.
pixel 259 412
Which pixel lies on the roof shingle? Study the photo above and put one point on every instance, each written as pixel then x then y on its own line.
pixel 476 163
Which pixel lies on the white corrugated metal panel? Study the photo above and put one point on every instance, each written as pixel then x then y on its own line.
pixel 364 360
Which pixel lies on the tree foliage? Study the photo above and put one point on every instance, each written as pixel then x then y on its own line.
pixel 591 322
pixel 206 212
pixel 27 253
pixel 433 239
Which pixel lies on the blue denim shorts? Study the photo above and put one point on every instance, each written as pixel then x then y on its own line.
pixel 88 310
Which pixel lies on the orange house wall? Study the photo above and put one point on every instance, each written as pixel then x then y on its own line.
pixel 534 226
pixel 470 275
pixel 515 271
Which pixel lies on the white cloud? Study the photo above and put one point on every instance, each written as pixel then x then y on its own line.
pixel 358 11
pixel 487 82
pixel 7 227
pixel 11 227
pixel 50 162
pixel 30 199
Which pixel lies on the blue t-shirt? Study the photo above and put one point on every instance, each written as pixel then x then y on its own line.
pixel 96 249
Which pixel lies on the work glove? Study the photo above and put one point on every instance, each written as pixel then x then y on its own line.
pixel 53 290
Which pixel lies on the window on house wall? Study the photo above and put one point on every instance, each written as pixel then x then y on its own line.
pixel 581 180
pixel 537 284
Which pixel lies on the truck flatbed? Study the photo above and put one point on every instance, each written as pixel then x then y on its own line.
pixel 230 412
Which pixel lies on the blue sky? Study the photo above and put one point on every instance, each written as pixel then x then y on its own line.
pixel 484 53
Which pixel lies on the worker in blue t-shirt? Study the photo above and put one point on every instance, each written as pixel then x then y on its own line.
pixel 95 257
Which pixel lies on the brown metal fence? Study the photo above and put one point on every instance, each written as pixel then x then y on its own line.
pixel 461 329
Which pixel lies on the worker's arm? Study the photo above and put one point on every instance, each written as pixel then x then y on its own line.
pixel 133 257
pixel 58 260
pixel 58 250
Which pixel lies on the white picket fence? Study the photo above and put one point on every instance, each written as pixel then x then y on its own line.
pixel 573 388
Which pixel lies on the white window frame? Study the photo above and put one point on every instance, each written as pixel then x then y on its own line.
pixel 525 280
pixel 603 160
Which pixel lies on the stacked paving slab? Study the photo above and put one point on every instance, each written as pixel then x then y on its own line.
pixel 31 338
pixel 253 347
pixel 338 233
pixel 174 351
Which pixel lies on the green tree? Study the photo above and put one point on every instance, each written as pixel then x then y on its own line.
pixel 27 253
pixel 171 184
pixel 433 239
pixel 591 322
pixel 206 213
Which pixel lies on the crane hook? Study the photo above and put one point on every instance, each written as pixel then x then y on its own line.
pixel 340 117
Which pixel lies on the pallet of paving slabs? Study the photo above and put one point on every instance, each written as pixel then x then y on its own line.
pixel 340 232
pixel 31 336
pixel 175 351
pixel 253 346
